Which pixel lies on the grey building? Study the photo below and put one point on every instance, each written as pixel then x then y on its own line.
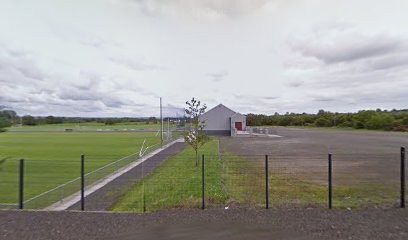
pixel 223 121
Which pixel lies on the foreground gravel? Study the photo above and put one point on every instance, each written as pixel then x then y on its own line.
pixel 208 224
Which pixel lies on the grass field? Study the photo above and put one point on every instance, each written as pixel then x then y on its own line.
pixel 53 158
pixel 177 183
pixel 91 126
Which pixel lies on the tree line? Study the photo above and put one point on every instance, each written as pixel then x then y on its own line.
pixel 10 118
pixel 32 121
pixel 394 120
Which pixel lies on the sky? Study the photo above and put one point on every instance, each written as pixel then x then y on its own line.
pixel 115 58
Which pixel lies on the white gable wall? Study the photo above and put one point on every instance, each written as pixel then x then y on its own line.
pixel 218 118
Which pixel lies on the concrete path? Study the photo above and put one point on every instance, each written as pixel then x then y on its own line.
pixel 103 193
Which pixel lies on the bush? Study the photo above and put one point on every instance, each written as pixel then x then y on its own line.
pixel 53 120
pixel 346 124
pixel 322 122
pixel 110 122
pixel 29 120
pixel 380 121
pixel 4 122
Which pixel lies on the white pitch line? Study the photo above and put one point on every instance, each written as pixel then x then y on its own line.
pixel 69 201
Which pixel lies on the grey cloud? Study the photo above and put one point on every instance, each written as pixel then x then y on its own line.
pixel 350 48
pixel 388 62
pixel 18 67
pixel 91 95
pixel 217 76
pixel 25 87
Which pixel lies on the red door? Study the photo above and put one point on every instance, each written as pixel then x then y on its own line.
pixel 238 126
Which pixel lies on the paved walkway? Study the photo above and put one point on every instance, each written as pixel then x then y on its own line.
pixel 103 198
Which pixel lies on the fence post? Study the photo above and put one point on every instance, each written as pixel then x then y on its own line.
pixel 219 157
pixel 402 177
pixel 144 189
pixel 82 182
pixel 203 183
pixel 21 185
pixel 330 180
pixel 266 183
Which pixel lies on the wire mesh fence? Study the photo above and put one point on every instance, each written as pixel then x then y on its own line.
pixel 179 180
pixel 49 183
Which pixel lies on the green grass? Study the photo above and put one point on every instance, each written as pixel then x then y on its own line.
pixel 53 158
pixel 177 183
pixel 244 178
pixel 90 126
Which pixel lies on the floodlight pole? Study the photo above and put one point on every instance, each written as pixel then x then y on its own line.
pixel 161 122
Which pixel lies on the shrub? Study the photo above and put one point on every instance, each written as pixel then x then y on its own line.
pixel 29 120
pixel 380 121
pixel 4 122
pixel 322 122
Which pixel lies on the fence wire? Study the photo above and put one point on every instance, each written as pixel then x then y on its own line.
pixel 51 182
pixel 176 181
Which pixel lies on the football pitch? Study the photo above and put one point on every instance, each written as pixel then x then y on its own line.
pixel 53 158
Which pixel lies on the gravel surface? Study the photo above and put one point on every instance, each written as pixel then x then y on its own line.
pixel 106 196
pixel 208 224
pixel 358 156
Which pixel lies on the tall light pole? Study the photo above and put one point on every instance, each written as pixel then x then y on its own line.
pixel 161 122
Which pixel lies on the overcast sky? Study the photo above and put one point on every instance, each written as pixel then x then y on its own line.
pixel 116 57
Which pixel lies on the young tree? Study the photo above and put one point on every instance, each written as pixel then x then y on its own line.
pixel 195 137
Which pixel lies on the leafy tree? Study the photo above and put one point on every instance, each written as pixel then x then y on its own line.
pixel 153 119
pixel 110 121
pixel 405 121
pixel 195 137
pixel 29 120
pixel 9 114
pixel 53 120
pixel 322 122
pixel 4 122
pixel 380 121
pixel 396 120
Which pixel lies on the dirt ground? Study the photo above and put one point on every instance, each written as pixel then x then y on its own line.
pixel 207 224
pixel 358 156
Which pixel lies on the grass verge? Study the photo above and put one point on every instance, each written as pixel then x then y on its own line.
pixel 177 183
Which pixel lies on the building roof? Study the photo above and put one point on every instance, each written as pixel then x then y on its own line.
pixel 232 113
